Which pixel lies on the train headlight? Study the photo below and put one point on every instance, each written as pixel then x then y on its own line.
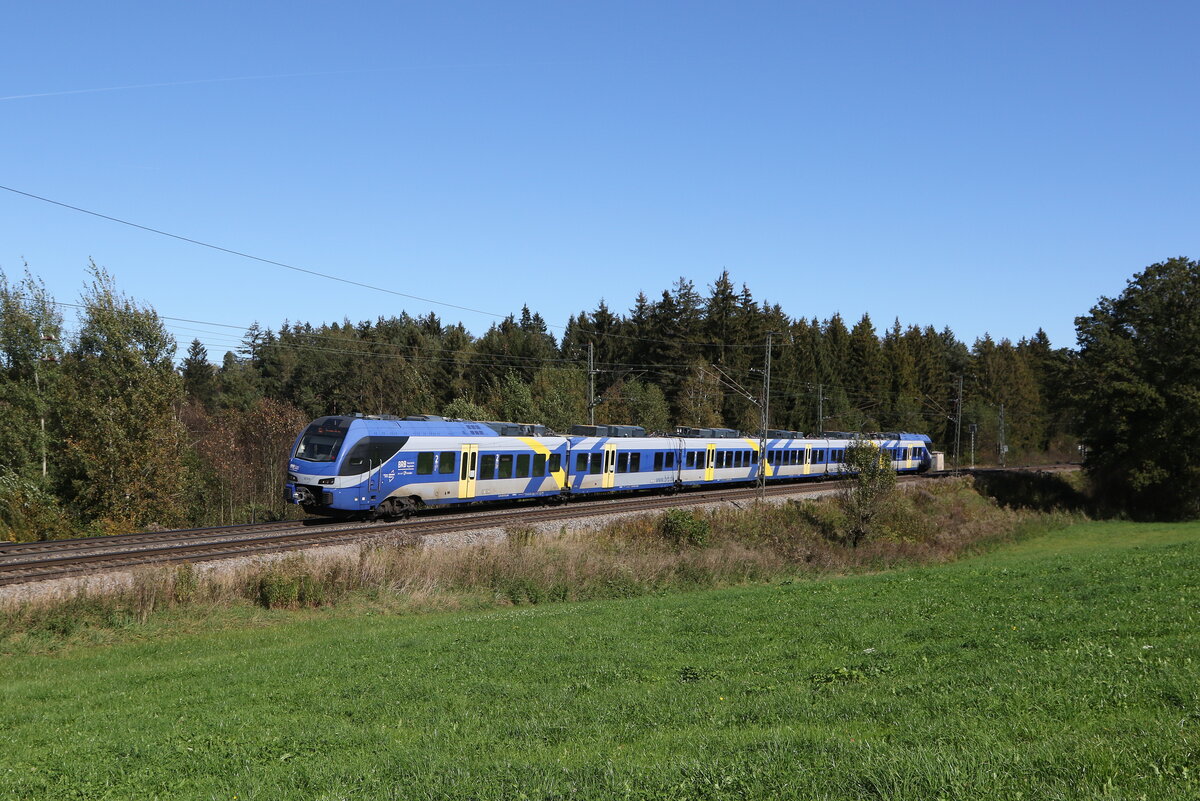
pixel 292 478
pixel 325 481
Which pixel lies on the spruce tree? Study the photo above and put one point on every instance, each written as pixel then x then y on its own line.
pixel 199 377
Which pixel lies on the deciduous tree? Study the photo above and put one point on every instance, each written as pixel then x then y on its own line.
pixel 124 445
pixel 1138 391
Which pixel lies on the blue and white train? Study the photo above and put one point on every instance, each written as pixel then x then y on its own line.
pixel 387 467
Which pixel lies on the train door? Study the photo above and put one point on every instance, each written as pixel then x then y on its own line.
pixel 466 471
pixel 710 461
pixel 610 465
pixel 806 455
pixel 374 474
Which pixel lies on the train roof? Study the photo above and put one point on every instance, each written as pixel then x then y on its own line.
pixel 394 426
pixel 607 431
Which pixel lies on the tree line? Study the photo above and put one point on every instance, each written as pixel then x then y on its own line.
pixel 103 428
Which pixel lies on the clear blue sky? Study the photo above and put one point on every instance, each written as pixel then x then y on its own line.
pixel 994 167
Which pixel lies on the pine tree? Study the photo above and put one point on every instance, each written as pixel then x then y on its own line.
pixel 868 384
pixel 199 377
pixel 720 315
pixel 901 367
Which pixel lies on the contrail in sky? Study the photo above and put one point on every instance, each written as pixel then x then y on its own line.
pixel 186 83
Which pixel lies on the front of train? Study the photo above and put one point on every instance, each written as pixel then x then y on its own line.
pixel 313 479
pixel 924 457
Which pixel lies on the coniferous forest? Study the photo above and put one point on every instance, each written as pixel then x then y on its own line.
pixel 107 429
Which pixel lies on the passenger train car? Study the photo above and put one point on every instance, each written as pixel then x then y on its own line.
pixel 382 466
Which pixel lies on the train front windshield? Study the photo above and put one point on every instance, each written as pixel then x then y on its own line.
pixel 321 441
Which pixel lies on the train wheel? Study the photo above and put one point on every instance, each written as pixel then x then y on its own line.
pixel 394 509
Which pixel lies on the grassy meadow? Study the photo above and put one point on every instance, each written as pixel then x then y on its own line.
pixel 1062 666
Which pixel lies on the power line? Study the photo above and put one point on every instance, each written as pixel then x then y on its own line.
pixel 243 255
pixel 307 271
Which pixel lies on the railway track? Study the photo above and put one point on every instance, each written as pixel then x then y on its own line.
pixel 39 561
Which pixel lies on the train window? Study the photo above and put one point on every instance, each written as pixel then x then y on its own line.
pixel 658 461
pixel 739 459
pixel 622 462
pixel 555 462
pixel 635 463
pixel 462 475
pixel 446 462
pixel 581 463
pixel 356 460
pixel 539 465
pixel 818 456
pixel 594 469
pixel 506 465
pixel 487 467
pixel 523 465
pixel 384 448
pixel 690 460
pixel 424 464
pixel 670 460
pixel 754 457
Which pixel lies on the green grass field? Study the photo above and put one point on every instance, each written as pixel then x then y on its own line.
pixel 1062 667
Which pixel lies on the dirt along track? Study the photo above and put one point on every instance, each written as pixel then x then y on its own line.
pixel 26 562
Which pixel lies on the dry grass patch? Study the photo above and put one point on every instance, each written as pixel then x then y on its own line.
pixel 679 550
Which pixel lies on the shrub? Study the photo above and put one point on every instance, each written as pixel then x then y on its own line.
pixel 278 591
pixel 184 589
pixel 29 513
pixel 867 492
pixel 683 527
